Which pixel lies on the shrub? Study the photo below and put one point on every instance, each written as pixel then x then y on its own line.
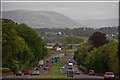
pixel 5 70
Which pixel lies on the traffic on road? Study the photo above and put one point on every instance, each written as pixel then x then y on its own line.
pixel 70 69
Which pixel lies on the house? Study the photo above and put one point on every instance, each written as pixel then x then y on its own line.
pixel 57 47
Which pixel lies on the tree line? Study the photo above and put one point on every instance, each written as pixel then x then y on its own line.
pixel 21 46
pixel 99 54
pixel 78 31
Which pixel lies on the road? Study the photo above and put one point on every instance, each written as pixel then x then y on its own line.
pixel 42 71
pixel 81 75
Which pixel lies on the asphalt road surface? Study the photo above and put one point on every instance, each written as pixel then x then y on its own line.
pixel 80 76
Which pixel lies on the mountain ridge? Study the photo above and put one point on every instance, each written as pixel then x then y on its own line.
pixel 42 19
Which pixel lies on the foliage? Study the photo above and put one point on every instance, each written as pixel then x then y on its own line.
pixel 102 59
pixel 72 40
pixel 97 59
pixel 5 70
pixel 98 39
pixel 21 46
pixel 81 53
pixel 78 31
pixel 112 49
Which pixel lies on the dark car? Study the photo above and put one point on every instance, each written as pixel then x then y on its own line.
pixel 91 72
pixel 14 71
pixel 37 68
pixel 70 67
pixel 109 76
pixel 76 72
pixel 47 61
pixel 26 72
pixel 18 73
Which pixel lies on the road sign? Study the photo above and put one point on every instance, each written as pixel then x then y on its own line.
pixel 56 59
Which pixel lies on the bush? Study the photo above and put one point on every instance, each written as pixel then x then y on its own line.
pixel 5 70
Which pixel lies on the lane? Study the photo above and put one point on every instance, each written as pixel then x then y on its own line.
pixel 81 75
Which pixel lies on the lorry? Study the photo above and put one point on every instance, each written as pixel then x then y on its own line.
pixel 40 64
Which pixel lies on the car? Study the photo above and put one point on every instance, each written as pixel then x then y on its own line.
pixel 76 72
pixel 63 67
pixel 14 71
pixel 53 61
pixel 66 72
pixel 70 64
pixel 63 70
pixel 91 72
pixel 70 67
pixel 47 61
pixel 35 72
pixel 37 68
pixel 72 61
pixel 70 73
pixel 40 65
pixel 109 76
pixel 26 72
pixel 47 68
pixel 18 73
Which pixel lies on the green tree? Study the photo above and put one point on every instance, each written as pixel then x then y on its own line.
pixel 97 59
pixel 32 39
pixel 112 49
pixel 13 45
pixel 81 53
pixel 21 46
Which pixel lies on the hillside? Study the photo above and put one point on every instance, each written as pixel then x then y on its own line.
pixel 41 19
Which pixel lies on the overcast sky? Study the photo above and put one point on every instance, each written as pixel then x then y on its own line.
pixel 74 10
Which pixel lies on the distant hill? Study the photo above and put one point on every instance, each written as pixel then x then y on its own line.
pixel 41 19
pixel 97 23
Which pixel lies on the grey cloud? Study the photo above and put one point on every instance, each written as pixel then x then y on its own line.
pixel 75 10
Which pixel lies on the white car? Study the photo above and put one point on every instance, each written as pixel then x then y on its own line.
pixel 109 75
pixel 35 72
pixel 62 67
pixel 70 64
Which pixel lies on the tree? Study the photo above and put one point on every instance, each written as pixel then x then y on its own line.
pixel 32 39
pixel 97 59
pixel 98 39
pixel 21 46
pixel 112 49
pixel 81 53
pixel 12 46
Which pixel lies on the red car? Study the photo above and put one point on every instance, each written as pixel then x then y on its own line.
pixel 91 72
pixel 47 68
pixel 109 76
pixel 26 72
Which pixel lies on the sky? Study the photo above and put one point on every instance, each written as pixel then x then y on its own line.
pixel 74 10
